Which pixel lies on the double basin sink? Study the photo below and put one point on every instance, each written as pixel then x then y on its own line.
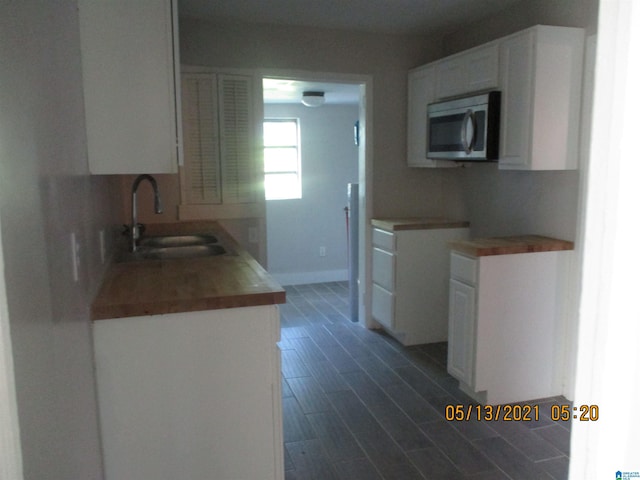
pixel 162 247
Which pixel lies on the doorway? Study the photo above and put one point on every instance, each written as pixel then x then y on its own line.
pixel 307 234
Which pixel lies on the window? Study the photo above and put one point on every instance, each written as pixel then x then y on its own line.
pixel 282 159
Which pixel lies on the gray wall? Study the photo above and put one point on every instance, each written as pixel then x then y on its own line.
pixel 45 194
pixel 297 228
pixel 397 189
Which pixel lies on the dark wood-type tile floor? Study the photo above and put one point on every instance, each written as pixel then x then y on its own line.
pixel 358 405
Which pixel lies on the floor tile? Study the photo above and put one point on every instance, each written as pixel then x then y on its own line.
pixel 510 460
pixel 420 382
pixel 359 469
pixel 310 396
pixel 327 377
pixel 382 450
pixel 310 461
pixel 307 350
pixel 292 365
pixel 462 453
pixel 358 405
pixel 558 436
pixel 353 413
pixel 379 371
pixel 533 446
pixel 296 427
pixel 558 468
pixel 433 464
pixel 336 438
pixel 416 407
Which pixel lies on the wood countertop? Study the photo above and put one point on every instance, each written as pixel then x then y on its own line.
pixel 153 287
pixel 482 247
pixel 416 223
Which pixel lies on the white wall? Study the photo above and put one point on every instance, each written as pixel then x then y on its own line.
pixel 296 229
pixel 45 194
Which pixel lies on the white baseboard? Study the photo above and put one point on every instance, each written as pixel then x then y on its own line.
pixel 304 278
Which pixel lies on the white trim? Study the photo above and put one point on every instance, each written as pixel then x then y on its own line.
pixel 304 278
pixel 10 451
pixel 365 170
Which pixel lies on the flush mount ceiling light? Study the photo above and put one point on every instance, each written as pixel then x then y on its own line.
pixel 312 99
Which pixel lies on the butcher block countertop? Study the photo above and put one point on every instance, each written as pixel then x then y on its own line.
pixel 154 287
pixel 482 247
pixel 415 223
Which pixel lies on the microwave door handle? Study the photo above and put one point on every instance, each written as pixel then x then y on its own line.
pixel 468 131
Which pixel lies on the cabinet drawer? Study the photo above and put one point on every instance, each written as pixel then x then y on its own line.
pixel 464 268
pixel 382 306
pixel 384 269
pixel 384 239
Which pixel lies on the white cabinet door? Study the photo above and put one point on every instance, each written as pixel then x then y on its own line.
pixel 421 89
pixel 383 269
pixel 450 79
pixel 421 92
pixel 127 51
pixel 468 72
pixel 462 324
pixel 540 80
pixel 383 306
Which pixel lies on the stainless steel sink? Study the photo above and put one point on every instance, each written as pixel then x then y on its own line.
pixel 173 241
pixel 163 247
pixel 186 251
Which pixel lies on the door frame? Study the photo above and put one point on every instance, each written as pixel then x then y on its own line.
pixel 365 170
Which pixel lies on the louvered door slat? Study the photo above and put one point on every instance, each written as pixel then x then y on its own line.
pixel 236 127
pixel 201 139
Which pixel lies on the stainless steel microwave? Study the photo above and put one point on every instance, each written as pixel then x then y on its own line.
pixel 465 128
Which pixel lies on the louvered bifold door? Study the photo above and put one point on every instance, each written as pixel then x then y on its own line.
pixel 238 159
pixel 200 125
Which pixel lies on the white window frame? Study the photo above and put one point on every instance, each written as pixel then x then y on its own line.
pixel 298 171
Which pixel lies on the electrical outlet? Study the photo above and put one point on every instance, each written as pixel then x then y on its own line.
pixel 75 256
pixel 323 251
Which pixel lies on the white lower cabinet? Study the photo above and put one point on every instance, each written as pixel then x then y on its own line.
pixel 191 395
pixel 506 334
pixel 410 282
pixel 462 323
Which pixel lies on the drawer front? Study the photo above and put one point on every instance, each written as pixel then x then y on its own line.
pixel 463 268
pixel 382 306
pixel 383 239
pixel 384 264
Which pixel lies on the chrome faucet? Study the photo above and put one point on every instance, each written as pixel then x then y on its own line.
pixel 135 232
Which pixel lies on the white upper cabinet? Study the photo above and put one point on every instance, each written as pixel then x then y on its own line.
pixel 422 91
pixel 129 54
pixel 541 80
pixel 468 72
pixel 538 71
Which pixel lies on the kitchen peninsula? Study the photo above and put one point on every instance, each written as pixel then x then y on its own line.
pixel 187 365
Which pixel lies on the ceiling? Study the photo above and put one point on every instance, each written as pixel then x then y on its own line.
pixel 409 17
pixel 290 91
pixel 406 17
